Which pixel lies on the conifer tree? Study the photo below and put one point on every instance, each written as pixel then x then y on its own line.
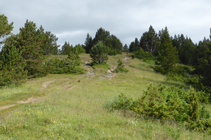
pixel 98 53
pixel 150 41
pixel 30 42
pixel 101 35
pixel 125 48
pixel 134 46
pixel 49 42
pixel 204 63
pixel 88 43
pixel 12 67
pixel 167 53
pixel 114 44
pixel 5 27
pixel 66 49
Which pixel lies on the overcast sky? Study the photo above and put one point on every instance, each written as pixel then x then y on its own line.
pixel 71 20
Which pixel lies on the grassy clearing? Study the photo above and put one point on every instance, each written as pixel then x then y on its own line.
pixel 74 107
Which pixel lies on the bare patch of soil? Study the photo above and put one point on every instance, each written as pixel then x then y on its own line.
pixel 46 84
pixel 6 106
pixel 31 99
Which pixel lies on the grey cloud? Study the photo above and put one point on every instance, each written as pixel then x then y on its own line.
pixel 71 20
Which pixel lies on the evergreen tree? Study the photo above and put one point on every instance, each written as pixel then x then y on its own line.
pixel 134 46
pixel 12 67
pixel 186 49
pixel 203 66
pixel 125 48
pixel 66 49
pixel 98 53
pixel 49 42
pixel 114 44
pixel 30 42
pixel 88 43
pixel 150 41
pixel 167 53
pixel 5 27
pixel 79 48
pixel 101 35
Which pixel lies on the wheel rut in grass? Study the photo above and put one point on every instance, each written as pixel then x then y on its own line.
pixel 29 100
pixel 90 72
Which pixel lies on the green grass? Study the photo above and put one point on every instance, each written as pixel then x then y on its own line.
pixel 74 107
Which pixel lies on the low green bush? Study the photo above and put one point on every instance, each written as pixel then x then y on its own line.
pixel 120 67
pixel 102 65
pixel 61 66
pixel 141 54
pixel 168 103
pixel 112 52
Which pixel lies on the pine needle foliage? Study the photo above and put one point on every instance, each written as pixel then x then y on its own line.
pixel 98 53
pixel 70 65
pixel 167 103
pixel 12 67
pixel 120 67
pixel 167 54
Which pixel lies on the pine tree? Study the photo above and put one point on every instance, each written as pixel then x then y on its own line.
pixel 98 53
pixel 5 27
pixel 66 49
pixel 125 48
pixel 12 69
pixel 114 44
pixel 101 35
pixel 88 43
pixel 204 63
pixel 167 53
pixel 49 42
pixel 134 46
pixel 150 41
pixel 30 42
pixel 186 49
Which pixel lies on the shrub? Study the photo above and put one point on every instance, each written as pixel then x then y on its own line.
pixel 102 65
pixel 36 68
pixel 79 49
pixel 12 67
pixel 68 66
pixel 120 67
pixel 170 103
pixel 98 53
pixel 141 54
pixel 112 52
pixel 121 102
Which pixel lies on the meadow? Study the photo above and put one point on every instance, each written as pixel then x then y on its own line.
pixel 69 106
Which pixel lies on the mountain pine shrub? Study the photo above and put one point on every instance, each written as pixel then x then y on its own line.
pixel 12 67
pixel 168 103
pixel 120 67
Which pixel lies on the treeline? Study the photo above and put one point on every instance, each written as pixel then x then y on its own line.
pixel 113 44
pixel 173 55
pixel 24 55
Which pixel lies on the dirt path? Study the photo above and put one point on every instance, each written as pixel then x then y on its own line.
pixel 7 106
pixel 46 84
pixel 29 100
pixel 90 72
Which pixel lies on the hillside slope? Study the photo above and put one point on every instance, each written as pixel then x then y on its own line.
pixel 73 106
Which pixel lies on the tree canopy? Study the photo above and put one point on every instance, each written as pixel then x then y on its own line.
pixel 167 54
pixel 5 27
